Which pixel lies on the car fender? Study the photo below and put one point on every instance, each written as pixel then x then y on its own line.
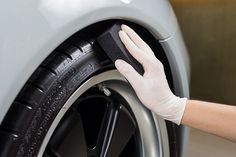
pixel 31 30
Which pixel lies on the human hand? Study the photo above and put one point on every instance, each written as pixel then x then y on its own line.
pixel 152 88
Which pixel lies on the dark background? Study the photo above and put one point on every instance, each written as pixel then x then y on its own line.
pixel 209 30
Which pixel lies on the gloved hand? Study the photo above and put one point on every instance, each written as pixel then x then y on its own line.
pixel 152 88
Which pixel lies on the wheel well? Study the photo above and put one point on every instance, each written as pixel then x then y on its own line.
pixel 90 33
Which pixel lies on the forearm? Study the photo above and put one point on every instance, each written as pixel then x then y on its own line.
pixel 213 118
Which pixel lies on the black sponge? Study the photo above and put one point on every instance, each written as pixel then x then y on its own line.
pixel 111 44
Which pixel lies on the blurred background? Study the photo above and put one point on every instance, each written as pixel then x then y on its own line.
pixel 209 30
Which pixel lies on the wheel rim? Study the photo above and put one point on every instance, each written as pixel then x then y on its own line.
pixel 107 138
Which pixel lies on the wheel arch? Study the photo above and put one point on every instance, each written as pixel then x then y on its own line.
pixel 30 34
pixel 168 51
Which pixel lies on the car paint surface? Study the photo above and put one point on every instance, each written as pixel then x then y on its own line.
pixel 31 30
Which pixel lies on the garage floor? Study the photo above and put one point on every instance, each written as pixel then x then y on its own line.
pixel 206 145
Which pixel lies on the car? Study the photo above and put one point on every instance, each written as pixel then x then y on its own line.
pixel 61 95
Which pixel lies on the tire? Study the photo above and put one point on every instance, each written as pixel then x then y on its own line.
pixel 33 112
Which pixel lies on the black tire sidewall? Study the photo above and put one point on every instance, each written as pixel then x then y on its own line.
pixel 53 100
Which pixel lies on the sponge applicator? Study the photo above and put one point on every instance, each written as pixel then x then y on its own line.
pixel 111 44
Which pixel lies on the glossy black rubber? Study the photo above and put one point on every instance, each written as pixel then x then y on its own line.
pixel 34 109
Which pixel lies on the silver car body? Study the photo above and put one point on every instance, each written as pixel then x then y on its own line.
pixel 31 30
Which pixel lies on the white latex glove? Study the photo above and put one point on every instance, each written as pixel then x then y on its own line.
pixel 152 88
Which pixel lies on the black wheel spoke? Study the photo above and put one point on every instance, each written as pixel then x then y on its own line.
pixel 69 139
pixel 122 132
pixel 105 131
pixel 96 126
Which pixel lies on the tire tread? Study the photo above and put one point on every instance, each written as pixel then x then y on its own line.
pixel 26 103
